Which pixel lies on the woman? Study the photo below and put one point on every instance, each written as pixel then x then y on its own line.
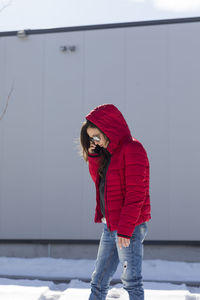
pixel 119 167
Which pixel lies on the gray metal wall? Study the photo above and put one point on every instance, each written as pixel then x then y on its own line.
pixel 151 73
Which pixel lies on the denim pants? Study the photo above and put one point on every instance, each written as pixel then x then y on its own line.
pixel 108 257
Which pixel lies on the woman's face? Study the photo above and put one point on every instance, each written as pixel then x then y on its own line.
pixel 94 132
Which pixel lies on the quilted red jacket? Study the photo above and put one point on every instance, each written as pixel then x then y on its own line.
pixel 127 200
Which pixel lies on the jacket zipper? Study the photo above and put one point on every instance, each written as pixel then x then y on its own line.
pixel 105 199
pixel 107 208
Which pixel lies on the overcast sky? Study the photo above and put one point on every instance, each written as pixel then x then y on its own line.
pixel 41 14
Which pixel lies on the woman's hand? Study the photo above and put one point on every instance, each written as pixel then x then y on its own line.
pixel 92 147
pixel 123 242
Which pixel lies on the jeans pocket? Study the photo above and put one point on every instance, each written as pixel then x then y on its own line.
pixel 113 233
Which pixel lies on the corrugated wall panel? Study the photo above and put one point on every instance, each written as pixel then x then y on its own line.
pixel 22 139
pixel 62 169
pixel 150 73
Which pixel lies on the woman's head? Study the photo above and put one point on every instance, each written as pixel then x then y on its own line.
pixel 91 133
pixel 113 129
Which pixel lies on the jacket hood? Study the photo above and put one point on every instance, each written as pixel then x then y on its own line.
pixel 110 120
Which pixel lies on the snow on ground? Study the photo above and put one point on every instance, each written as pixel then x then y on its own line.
pixel 63 269
pixel 58 268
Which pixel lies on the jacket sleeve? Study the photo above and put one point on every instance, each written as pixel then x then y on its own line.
pixel 135 160
pixel 93 163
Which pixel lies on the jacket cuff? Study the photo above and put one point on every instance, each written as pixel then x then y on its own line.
pixel 93 154
pixel 123 235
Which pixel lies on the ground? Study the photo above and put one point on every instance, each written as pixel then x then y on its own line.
pixel 73 274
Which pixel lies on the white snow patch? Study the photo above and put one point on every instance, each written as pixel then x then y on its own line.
pixel 51 268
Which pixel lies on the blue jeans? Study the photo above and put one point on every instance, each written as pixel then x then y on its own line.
pixel 108 257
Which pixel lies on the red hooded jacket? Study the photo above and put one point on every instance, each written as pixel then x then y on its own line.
pixel 127 200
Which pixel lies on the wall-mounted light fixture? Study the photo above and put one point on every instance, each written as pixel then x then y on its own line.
pixel 22 33
pixel 65 48
pixel 72 48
